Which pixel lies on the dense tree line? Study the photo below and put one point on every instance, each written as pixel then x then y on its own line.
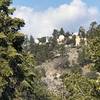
pixel 46 48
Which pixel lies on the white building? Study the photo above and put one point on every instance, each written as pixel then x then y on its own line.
pixel 70 37
pixel 78 40
pixel 61 39
pixel 85 40
pixel 36 41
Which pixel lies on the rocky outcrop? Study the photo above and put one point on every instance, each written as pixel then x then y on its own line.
pixel 55 68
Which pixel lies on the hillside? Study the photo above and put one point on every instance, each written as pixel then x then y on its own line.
pixel 60 66
pixel 55 68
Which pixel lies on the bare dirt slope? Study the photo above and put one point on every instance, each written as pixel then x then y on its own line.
pixel 54 69
pixel 73 56
pixel 52 75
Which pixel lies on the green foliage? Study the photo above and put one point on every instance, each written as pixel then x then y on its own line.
pixel 42 40
pixel 61 32
pixel 83 58
pixel 76 69
pixel 82 33
pixel 61 49
pixel 41 51
pixel 31 87
pixel 18 77
pixel 93 47
pixel 10 45
pixel 80 88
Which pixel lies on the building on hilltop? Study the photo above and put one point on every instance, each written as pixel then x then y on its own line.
pixel 78 40
pixel 61 39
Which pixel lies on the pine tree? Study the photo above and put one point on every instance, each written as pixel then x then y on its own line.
pixel 11 50
pixel 32 44
pixel 18 78
pixel 61 32
pixel 82 32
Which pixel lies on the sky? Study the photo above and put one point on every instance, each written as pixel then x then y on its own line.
pixel 42 16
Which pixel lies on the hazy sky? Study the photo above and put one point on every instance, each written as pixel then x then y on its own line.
pixel 42 16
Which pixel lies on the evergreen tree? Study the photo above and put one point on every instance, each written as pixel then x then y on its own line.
pixel 82 32
pixel 55 34
pixel 93 47
pixel 18 79
pixel 32 44
pixel 61 32
pixel 11 51
pixel 26 44
pixel 54 39
pixel 42 40
pixel 67 34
